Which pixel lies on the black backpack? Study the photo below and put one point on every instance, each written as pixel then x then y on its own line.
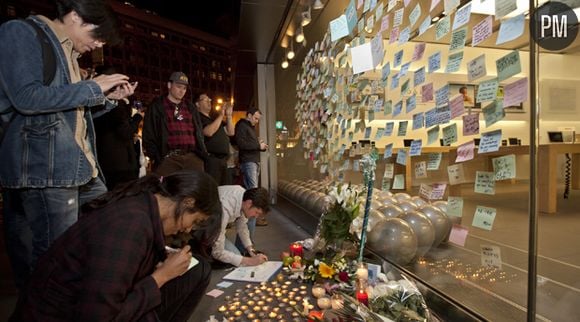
pixel 48 73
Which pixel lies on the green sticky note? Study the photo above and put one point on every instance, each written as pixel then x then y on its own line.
pixel 504 167
pixel 484 217
pixel 508 66
pixel 432 135
pixel 485 182
pixel 434 160
pixel 455 206
pixel 399 181
pixel 450 134
pixel 493 113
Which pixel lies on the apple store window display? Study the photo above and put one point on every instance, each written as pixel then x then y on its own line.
pixel 473 201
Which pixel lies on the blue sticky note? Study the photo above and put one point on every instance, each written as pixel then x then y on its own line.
pixel 368 131
pixel 415 149
pixel 379 133
pixel 454 62
pixel 388 151
pixel 389 128
pixel 431 117
pixel 351 17
pixel 493 113
pixel 404 35
pixel 490 141
pixel 398 58
pixel 411 103
pixel 508 66
pixel 404 69
pixel 511 29
pixel 338 28
pixel 419 77
pixel 418 121
pixel 442 96
pixel 434 62
pixel 402 156
pixel 395 81
pixel 398 108
pixel 386 71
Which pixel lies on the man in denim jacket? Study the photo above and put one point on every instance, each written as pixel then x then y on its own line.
pixel 48 163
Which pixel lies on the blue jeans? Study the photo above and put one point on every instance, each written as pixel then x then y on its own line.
pixel 35 218
pixel 250 174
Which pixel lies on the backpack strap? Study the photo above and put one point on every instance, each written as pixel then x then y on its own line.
pixel 48 56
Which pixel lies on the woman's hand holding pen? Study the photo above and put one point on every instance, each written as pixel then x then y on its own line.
pixel 175 265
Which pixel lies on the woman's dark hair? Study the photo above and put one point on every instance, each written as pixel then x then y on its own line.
pixel 179 187
pixel 97 12
pixel 260 198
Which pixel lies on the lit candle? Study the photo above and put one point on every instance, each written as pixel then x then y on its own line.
pixel 336 302
pixel 362 297
pixel 323 302
pixel 272 315
pixel 362 272
pixel 251 315
pixel 238 313
pixel 222 308
pixel 318 291
pixel 296 250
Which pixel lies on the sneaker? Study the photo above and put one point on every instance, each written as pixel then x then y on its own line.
pixel 261 221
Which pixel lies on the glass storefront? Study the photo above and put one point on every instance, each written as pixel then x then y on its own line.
pixel 474 123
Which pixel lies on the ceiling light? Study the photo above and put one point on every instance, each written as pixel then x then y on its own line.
pixel 318 5
pixel 285 64
pixel 290 54
pixel 306 17
pixel 299 35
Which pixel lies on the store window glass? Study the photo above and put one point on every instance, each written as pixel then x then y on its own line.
pixel 445 100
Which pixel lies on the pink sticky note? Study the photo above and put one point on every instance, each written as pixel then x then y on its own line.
pixel 515 92
pixel 215 293
pixel 418 52
pixel 456 106
pixel 427 93
pixel 394 35
pixel 471 124
pixel 385 22
pixel 465 151
pixel 458 235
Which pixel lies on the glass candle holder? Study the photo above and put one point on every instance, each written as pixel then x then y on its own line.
pixel 318 290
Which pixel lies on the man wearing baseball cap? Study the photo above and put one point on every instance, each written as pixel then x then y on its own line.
pixel 172 131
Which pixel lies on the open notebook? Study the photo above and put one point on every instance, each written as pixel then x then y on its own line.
pixel 257 274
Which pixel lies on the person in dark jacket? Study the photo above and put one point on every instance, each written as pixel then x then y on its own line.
pixel 115 135
pixel 172 131
pixel 249 147
pixel 112 265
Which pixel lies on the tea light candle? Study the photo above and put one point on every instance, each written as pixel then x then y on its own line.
pixel 297 298
pixel 257 308
pixel 222 308
pixel 265 308
pixel 296 250
pixel 250 302
pixel 303 287
pixel 238 313
pixel 303 292
pixel 260 303
pixel 295 289
pixel 278 294
pixel 272 315
pixel 244 307
pixel 251 315
pixel 318 291
pixel 323 302
pixel 292 303
pixel 336 302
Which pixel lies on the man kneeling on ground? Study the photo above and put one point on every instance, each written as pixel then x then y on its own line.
pixel 238 205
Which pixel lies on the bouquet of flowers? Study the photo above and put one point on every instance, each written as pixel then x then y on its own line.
pixel 334 225
pixel 399 301
pixel 336 269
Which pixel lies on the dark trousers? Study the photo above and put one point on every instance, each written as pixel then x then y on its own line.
pixel 180 296
pixel 217 169
pixel 178 162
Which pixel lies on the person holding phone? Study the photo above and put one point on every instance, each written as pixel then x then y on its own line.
pixel 112 265
pixel 48 156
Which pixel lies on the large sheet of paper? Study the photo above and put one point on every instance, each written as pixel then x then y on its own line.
pixel 254 274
